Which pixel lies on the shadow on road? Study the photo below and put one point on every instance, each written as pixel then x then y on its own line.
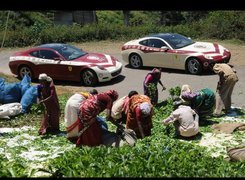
pixel 175 71
pixel 116 80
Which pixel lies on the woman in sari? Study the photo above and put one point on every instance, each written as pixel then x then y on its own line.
pixel 71 112
pixel 202 101
pixel 139 115
pixel 150 85
pixel 48 97
pixel 90 130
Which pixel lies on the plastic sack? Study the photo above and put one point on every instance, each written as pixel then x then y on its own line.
pixel 10 109
pixel 237 153
pixel 25 84
pixel 29 98
pixel 10 93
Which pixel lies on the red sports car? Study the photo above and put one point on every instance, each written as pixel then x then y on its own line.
pixel 65 62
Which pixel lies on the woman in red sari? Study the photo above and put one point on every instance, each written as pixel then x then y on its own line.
pixel 139 116
pixel 47 95
pixel 90 129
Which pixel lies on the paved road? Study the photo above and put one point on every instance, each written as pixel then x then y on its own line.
pixel 132 79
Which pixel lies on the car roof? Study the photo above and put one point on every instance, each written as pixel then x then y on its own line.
pixel 161 35
pixel 55 46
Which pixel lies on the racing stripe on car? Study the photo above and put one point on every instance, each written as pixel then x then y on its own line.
pixel 33 60
pixel 38 61
pixel 146 49
pixel 150 49
pixel 216 47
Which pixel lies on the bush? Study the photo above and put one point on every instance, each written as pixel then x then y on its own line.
pixel 216 25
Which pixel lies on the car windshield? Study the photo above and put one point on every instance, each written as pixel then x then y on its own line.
pixel 178 41
pixel 71 52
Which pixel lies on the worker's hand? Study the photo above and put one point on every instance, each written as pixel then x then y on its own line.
pixel 163 88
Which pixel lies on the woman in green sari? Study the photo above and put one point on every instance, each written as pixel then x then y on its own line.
pixel 202 101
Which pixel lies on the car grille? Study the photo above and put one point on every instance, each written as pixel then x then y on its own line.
pixel 116 72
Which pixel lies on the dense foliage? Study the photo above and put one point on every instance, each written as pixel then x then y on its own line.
pixel 30 28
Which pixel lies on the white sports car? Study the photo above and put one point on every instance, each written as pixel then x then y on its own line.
pixel 171 50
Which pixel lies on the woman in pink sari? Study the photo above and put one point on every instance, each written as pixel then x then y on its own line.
pixel 47 95
pixel 150 85
pixel 90 130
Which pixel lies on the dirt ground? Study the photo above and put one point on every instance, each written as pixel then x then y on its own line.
pixel 114 48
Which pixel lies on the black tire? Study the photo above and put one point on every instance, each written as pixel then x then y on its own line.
pixel 89 78
pixel 25 70
pixel 135 61
pixel 193 66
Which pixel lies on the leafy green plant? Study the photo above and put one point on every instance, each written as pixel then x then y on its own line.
pixel 25 154
pixel 152 90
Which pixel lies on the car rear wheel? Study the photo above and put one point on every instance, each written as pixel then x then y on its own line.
pixel 135 61
pixel 89 78
pixel 25 70
pixel 193 66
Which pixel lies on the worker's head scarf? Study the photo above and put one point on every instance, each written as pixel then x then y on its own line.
pixel 156 73
pixel 45 78
pixel 216 68
pixel 145 108
pixel 186 88
pixel 188 96
pixel 113 94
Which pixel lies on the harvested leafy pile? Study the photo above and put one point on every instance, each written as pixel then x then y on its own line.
pixel 25 154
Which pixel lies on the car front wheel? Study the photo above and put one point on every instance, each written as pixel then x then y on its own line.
pixel 25 70
pixel 193 66
pixel 135 61
pixel 89 78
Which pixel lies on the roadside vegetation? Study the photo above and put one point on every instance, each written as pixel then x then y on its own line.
pixel 32 28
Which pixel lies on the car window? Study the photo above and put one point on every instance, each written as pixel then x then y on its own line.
pixel 157 43
pixel 35 54
pixel 178 41
pixel 153 43
pixel 71 52
pixel 144 42
pixel 46 54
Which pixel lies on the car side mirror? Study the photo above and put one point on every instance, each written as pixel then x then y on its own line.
pixel 57 59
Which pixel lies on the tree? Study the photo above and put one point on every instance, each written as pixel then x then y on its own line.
pixel 126 15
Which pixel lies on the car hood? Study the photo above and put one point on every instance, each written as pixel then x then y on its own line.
pixel 204 47
pixel 97 59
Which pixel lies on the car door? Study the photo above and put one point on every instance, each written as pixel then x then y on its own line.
pixel 156 55
pixel 49 63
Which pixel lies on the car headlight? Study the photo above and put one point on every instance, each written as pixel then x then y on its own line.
pixel 208 56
